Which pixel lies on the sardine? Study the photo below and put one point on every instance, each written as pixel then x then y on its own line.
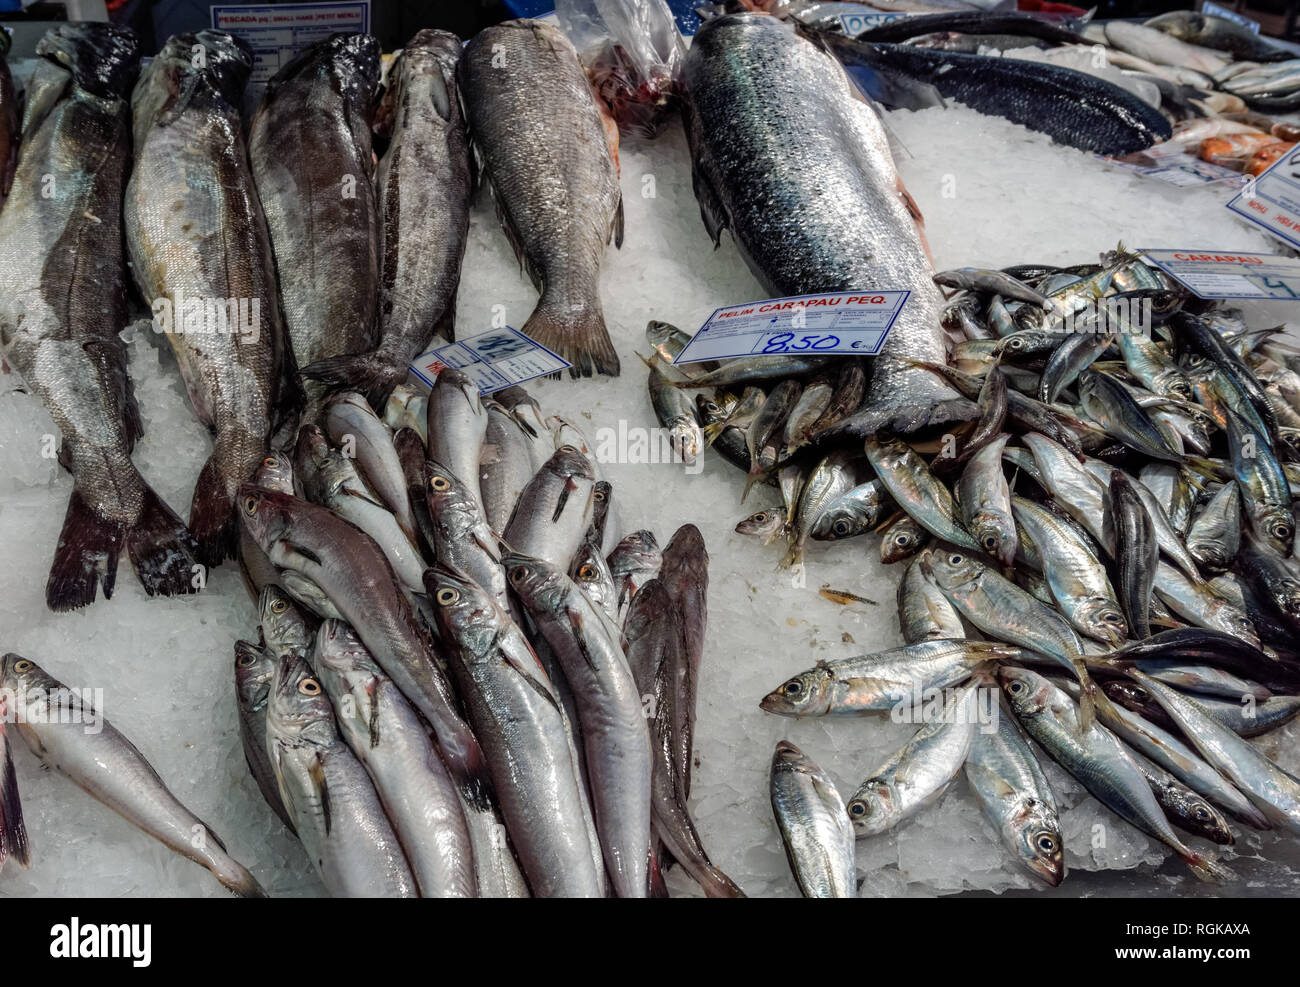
pixel 815 829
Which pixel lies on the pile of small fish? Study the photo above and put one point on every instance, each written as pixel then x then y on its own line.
pixel 1120 517
pixel 462 568
pixel 277 277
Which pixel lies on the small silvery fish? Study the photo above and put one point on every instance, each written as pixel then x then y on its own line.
pixel 815 829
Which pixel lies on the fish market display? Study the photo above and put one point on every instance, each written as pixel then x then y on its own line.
pixel 551 160
pixel 61 309
pixel 200 254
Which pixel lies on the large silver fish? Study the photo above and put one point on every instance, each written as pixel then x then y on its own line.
pixel 202 260
pixel 62 305
pixel 551 158
pixel 423 187
pixel 789 159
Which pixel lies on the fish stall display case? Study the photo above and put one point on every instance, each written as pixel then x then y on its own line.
pixel 831 450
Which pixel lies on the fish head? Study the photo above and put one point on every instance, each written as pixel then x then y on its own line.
pixel 996 534
pixel 714 408
pixel 1276 526
pixel 103 58
pixel 1173 383
pixel 1209 554
pixel 465 612
pixel 874 809
pixel 19 674
pixel 265 514
pixel 569 461
pixel 844 522
pixel 343 663
pixel 254 670
pixel 276 473
pixel 1028 692
pixel 538 583
pixel 1103 619
pixel 686 439
pixel 591 573
pixel 1130 695
pixel 950 567
pixel 298 706
pixel 807 694
pixel 901 541
pixel 447 495
pixel 284 626
pixel 764 524
pixel 636 552
pixel 1038 840
pixel 1227 615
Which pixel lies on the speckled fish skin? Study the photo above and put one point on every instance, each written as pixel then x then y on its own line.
pixel 613 723
pixel 254 670
pixel 320 207
pixel 422 188
pixel 546 151
pixel 195 229
pixel 869 683
pixel 1009 783
pixel 1274 792
pixel 916 775
pixel 1098 761
pixel 844 221
pixel 62 305
pixel 391 742
pixel 815 829
pixel 525 734
pixel 331 799
pixel 109 768
pixel 924 613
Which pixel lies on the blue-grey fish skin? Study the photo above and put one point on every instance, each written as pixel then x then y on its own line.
pixel 799 169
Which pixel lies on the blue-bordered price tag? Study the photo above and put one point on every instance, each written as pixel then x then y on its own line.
pixel 1272 200
pixel 837 322
pixel 494 360
pixel 1230 274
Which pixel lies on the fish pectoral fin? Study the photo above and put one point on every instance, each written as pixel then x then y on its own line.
pixel 617 228
pixel 527 674
pixel 493 551
pixel 711 209
pixel 317 775
pixel 303 551
pixel 575 623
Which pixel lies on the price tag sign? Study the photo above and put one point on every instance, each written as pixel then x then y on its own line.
pixel 494 360
pixel 1223 274
pixel 837 322
pixel 1272 200
pixel 1180 170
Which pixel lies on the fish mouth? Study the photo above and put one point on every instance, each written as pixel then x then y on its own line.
pixel 773 703
pixel 104 59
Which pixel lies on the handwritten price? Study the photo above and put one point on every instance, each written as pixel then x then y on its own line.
pixel 786 342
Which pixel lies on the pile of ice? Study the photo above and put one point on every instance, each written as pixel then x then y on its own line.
pixel 993 194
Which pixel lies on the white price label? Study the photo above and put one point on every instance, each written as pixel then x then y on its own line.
pixel 494 360
pixel 1228 274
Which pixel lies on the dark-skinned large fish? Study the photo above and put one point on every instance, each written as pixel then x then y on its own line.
pixel 813 200
pixel 195 231
pixel 62 305
pixel 552 161
pixel 320 199
pixel 423 188
pixel 9 129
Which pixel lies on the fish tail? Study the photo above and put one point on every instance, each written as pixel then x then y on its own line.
pixel 87 553
pixel 655 886
pixel 13 833
pixel 578 336
pixel 162 549
pixel 234 877
pixel 1208 869
pixel 373 375
pixel 212 516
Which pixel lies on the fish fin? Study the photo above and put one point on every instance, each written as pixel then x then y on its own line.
pixel 711 208
pixel 162 549
pixel 617 227
pixel 317 774
pixel 655 886
pixel 577 337
pixel 575 624
pixel 13 833
pixel 369 373
pixel 1209 869
pixel 212 516
pixel 87 553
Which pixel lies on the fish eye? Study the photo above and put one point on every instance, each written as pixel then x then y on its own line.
pixel 246 658
pixel 1281 531
pixel 250 505
pixel 269 461
pixel 711 407
pixel 279 606
pixel 447 596
pixel 587 571
pixel 598 495
pixel 440 484
pixel 1016 687
pixel 841 527
pixel 956 559
pixel 1201 812
pixel 903 538
pixel 309 687
pixel 858 808
pixel 759 518
pixel 23 665
pixel 1111 618
pixel 517 574
pixel 990 542
pixel 792 688
pixel 1046 842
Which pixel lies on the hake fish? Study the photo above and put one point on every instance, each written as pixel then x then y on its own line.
pixel 551 158
pixel 423 185
pixel 320 204
pixel 757 163
pixel 196 235
pixel 62 305
pixel 110 769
